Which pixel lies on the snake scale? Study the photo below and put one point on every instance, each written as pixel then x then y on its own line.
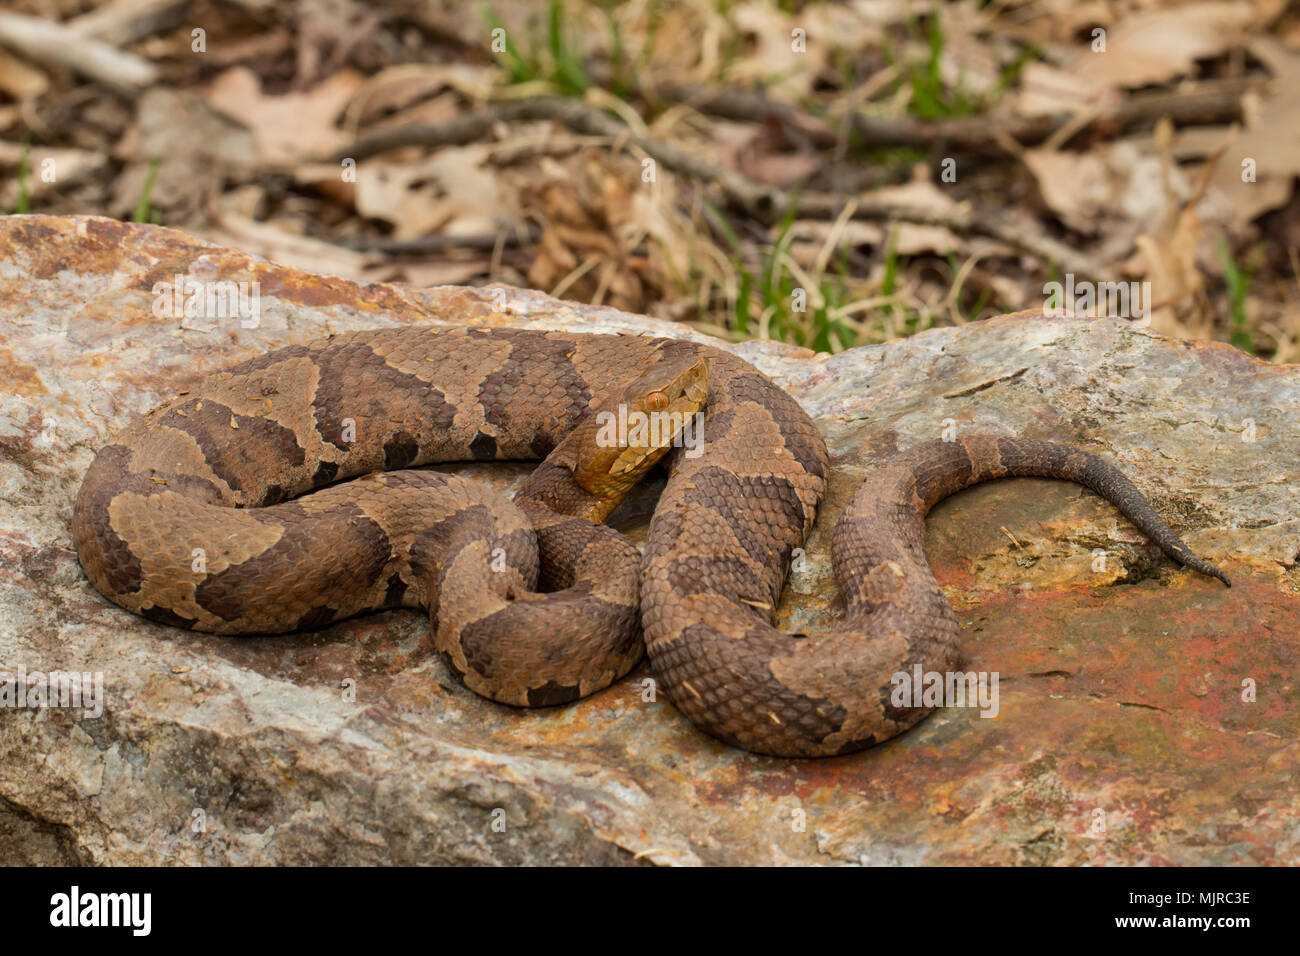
pixel 226 509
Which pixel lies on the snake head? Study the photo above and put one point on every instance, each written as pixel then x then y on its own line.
pixel 630 432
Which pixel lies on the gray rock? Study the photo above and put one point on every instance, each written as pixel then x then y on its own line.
pixel 1122 734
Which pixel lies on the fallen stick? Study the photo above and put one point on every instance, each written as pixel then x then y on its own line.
pixel 440 242
pixel 1209 103
pixel 48 42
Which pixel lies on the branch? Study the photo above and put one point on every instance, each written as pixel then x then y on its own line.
pixel 55 43
pixel 1209 103
pixel 439 242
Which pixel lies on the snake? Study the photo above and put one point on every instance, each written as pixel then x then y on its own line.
pixel 288 492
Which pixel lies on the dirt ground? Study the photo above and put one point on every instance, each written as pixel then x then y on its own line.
pixel 828 174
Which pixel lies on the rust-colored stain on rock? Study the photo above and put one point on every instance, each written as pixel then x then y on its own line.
pixel 18 378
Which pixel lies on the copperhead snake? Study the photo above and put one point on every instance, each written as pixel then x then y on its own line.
pixel 226 509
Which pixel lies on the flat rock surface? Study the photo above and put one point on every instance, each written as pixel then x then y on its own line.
pixel 1127 730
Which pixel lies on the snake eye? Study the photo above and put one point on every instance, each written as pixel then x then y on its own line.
pixel 656 401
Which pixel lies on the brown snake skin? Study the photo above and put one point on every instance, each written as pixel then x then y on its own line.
pixel 203 514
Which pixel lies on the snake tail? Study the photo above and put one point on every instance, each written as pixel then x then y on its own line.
pixel 795 695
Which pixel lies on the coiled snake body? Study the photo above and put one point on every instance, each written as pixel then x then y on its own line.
pixel 221 511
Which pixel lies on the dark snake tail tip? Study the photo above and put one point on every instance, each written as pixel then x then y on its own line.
pixel 1206 568
pixel 1184 556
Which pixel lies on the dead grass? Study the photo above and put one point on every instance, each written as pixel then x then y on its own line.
pixel 902 119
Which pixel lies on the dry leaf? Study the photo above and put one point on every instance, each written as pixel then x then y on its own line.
pixel 277 245
pixel 1177 283
pixel 1268 149
pixel 426 275
pixel 20 80
pixel 791 49
pixel 450 191
pixel 399 88
pixel 1115 188
pixel 288 128
pixel 967 61
pixel 49 170
pixel 1046 90
pixel 1159 45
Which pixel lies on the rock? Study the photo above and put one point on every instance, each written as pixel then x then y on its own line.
pixel 1121 736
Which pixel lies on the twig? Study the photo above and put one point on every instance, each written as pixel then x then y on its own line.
pixel 742 194
pixel 55 43
pixel 1209 103
pixel 744 105
pixel 485 242
pixel 122 22
pixel 1219 103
